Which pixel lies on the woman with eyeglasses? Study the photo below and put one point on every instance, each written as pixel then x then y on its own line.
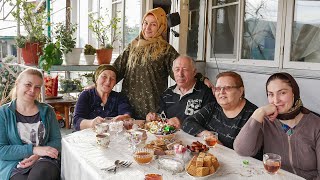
pixel 227 115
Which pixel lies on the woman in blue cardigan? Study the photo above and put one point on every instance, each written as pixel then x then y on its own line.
pixel 30 139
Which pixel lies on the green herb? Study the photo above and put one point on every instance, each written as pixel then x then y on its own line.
pixel 245 162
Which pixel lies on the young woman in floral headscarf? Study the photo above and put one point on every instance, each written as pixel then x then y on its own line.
pixel 146 64
pixel 284 127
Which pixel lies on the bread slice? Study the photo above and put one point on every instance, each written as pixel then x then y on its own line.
pixel 199 162
pixel 211 170
pixel 207 161
pixel 202 171
pixel 202 154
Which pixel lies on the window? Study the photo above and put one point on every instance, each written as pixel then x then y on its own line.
pixel 196 30
pixel 117 12
pixel 269 33
pixel 223 32
pixel 132 20
pixel 129 12
pixel 259 30
pixel 305 37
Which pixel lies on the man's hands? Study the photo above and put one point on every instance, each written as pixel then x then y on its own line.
pixel 151 116
pixel 175 122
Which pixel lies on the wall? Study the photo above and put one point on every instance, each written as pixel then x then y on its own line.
pixel 255 88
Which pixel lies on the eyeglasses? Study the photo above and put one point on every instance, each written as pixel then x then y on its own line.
pixel 226 88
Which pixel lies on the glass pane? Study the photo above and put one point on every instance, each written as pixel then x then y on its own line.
pixel 259 30
pixel 225 22
pixel 8 32
pixel 305 40
pixel 195 29
pixel 117 12
pixel 132 20
pixel 82 23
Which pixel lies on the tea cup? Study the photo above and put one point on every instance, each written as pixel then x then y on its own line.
pixel 102 128
pixel 103 139
pixel 271 162
pixel 211 139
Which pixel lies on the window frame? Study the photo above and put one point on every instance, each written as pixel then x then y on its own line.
pixel 236 58
pixel 287 63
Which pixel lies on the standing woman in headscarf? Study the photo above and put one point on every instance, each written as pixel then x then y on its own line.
pixel 284 127
pixel 146 64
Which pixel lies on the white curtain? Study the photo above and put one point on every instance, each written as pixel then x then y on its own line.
pixel 306 47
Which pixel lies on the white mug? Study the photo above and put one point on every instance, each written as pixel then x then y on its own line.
pixel 103 139
pixel 102 128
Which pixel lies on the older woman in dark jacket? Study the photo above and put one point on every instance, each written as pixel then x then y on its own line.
pixel 226 116
pixel 95 104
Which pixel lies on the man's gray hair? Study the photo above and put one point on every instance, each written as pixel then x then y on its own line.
pixel 193 62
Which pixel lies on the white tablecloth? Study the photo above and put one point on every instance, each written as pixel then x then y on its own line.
pixel 82 159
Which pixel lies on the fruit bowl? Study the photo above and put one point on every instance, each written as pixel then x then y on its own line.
pixel 165 136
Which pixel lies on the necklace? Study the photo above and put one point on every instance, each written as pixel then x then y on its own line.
pixel 102 105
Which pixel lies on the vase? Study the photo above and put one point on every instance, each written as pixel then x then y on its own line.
pixel 31 53
pixel 73 57
pixel 89 59
pixel 104 56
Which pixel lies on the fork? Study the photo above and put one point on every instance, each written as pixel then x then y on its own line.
pixel 125 163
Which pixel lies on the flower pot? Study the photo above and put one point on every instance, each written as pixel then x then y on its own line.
pixel 31 52
pixel 73 57
pixel 89 59
pixel 104 56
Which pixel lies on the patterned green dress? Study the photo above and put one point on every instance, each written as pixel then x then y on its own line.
pixel 144 82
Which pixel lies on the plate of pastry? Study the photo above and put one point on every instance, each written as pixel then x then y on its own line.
pixel 202 166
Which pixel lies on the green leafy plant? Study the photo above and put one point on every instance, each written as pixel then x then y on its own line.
pixel 7 80
pixel 65 35
pixel 88 78
pixel 52 55
pixel 105 28
pixel 89 50
pixel 32 21
pixel 70 85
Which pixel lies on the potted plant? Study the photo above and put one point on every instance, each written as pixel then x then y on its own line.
pixel 70 85
pixel 107 32
pixel 89 52
pixel 7 79
pixel 52 55
pixel 65 36
pixel 33 22
pixel 89 78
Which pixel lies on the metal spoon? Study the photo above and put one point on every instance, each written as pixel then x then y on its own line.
pixel 117 163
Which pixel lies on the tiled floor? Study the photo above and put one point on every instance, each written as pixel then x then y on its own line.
pixel 65 131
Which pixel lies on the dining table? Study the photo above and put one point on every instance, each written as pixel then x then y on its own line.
pixel 83 159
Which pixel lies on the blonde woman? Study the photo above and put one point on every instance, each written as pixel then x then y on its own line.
pixel 30 139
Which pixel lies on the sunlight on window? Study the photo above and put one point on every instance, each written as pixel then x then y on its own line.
pixel 259 30
pixel 305 44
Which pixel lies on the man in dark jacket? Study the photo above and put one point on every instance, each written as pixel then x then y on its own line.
pixel 185 98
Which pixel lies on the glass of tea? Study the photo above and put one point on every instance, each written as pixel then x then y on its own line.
pixel 211 138
pixel 152 175
pixel 271 162
pixel 128 123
